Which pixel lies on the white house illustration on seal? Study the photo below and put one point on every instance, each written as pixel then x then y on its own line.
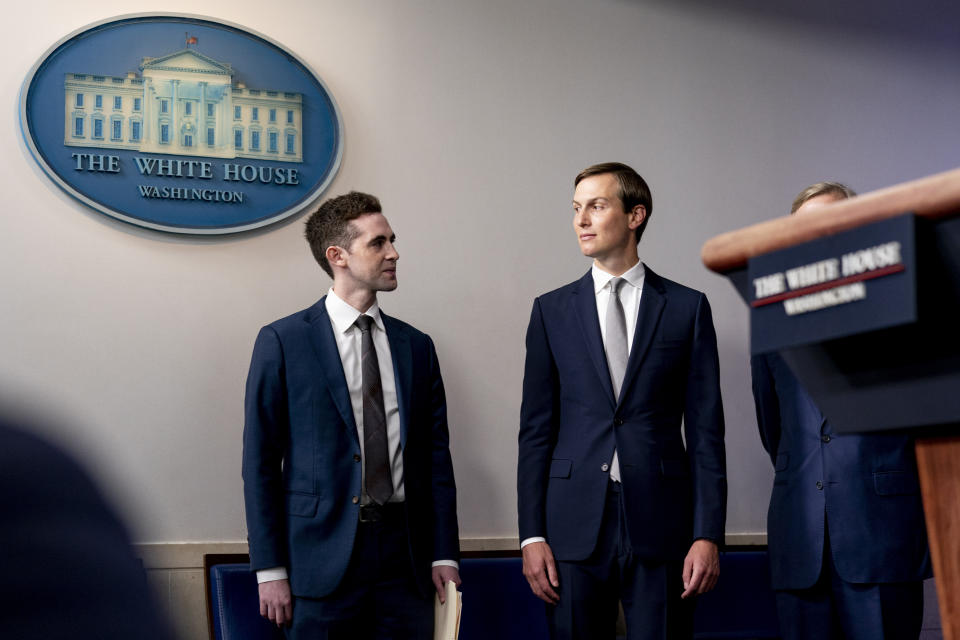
pixel 184 103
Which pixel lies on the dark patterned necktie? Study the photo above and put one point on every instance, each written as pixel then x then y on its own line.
pixel 379 484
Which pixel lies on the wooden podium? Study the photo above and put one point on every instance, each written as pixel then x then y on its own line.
pixel 862 299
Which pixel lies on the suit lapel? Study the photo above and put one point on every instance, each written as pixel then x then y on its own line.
pixel 325 345
pixel 652 301
pixel 402 370
pixel 585 302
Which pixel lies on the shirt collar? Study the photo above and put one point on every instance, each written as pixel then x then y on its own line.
pixel 633 275
pixel 344 316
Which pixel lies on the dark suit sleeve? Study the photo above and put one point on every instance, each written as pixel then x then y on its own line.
pixel 446 537
pixel 539 420
pixel 767 404
pixel 265 434
pixel 704 429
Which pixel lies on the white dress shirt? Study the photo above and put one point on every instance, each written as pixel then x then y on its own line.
pixel 630 300
pixel 347 334
pixel 343 317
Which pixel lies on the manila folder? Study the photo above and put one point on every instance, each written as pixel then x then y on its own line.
pixel 446 616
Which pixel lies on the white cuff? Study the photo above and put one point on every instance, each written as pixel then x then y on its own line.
pixel 269 575
pixel 532 540
pixel 446 563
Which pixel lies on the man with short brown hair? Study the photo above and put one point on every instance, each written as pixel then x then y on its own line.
pixel 348 483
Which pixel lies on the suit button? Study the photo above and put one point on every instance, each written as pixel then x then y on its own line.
pixel 819 485
pixel 356 457
pixel 604 467
pixel 618 422
pixel 356 499
pixel 825 438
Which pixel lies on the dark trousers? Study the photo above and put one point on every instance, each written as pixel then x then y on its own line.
pixel 590 590
pixel 834 609
pixel 377 598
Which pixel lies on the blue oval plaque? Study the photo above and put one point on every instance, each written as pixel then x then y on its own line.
pixel 181 124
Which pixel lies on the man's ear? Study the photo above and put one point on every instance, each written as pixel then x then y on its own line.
pixel 336 255
pixel 637 215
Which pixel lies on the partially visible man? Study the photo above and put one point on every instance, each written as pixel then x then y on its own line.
pixel 848 546
pixel 614 504
pixel 348 482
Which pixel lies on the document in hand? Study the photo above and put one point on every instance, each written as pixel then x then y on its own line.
pixel 446 616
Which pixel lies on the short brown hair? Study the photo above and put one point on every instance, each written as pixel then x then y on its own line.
pixel 841 191
pixel 330 226
pixel 633 188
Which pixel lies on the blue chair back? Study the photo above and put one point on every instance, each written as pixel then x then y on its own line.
pixel 742 604
pixel 498 603
pixel 235 604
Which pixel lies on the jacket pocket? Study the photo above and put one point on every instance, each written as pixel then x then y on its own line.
pixel 895 483
pixel 560 468
pixel 303 505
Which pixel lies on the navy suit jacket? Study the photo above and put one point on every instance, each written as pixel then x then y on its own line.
pixel 864 488
pixel 301 453
pixel 571 422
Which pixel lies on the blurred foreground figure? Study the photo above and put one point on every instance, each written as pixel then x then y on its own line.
pixel 848 546
pixel 68 570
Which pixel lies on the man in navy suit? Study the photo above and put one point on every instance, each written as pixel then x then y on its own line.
pixel 613 503
pixel 848 546
pixel 348 482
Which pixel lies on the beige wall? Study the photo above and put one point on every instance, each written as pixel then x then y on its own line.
pixel 469 120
